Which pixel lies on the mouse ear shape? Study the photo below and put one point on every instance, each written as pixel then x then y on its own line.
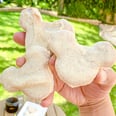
pixel 28 16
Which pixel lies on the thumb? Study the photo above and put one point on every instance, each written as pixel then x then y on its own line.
pixel 106 78
pixel 52 60
pixel 47 101
pixel 20 61
pixel 51 64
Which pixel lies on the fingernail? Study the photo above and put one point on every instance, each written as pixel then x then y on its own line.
pixel 52 60
pixel 20 61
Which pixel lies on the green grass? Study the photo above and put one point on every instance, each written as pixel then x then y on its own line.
pixel 86 34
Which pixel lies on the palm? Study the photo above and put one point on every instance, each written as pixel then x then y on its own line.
pixel 97 90
pixel 80 95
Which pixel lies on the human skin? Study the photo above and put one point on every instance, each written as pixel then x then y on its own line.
pixel 92 99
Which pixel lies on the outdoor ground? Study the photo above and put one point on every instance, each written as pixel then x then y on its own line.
pixel 86 34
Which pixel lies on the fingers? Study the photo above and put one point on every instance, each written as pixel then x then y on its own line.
pixel 52 60
pixel 48 101
pixel 101 77
pixel 51 64
pixel 20 61
pixel 19 38
pixel 111 76
pixel 58 84
pixel 106 78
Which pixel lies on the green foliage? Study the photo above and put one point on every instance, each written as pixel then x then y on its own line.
pixel 104 10
pixel 73 9
pixel 94 9
pixel 86 34
pixel 113 97
pixel 8 1
pixel 67 107
pixel 83 9
pixel 46 4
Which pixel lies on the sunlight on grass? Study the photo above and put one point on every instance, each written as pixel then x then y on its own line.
pixel 86 34
pixel 6 94
pixel 59 99
pixel 67 107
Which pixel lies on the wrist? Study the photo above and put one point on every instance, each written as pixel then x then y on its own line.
pixel 102 107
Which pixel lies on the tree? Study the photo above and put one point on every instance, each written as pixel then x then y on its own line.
pixel 60 6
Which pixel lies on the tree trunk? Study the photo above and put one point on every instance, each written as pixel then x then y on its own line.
pixel 60 6
pixel 38 2
pixel 114 18
pixel 109 18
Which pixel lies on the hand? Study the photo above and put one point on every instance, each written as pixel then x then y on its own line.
pixel 99 89
pixel 20 39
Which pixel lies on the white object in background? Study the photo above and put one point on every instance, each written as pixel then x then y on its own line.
pixel 32 109
pixel 108 33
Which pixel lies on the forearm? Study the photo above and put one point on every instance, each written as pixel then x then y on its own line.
pixel 102 108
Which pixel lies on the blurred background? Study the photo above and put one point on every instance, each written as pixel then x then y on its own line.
pixel 84 15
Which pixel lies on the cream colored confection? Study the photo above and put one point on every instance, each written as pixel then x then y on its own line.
pixel 108 33
pixel 76 64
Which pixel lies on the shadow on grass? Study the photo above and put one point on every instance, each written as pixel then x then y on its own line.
pixel 87 34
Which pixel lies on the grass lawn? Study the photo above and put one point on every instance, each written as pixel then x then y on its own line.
pixel 86 34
